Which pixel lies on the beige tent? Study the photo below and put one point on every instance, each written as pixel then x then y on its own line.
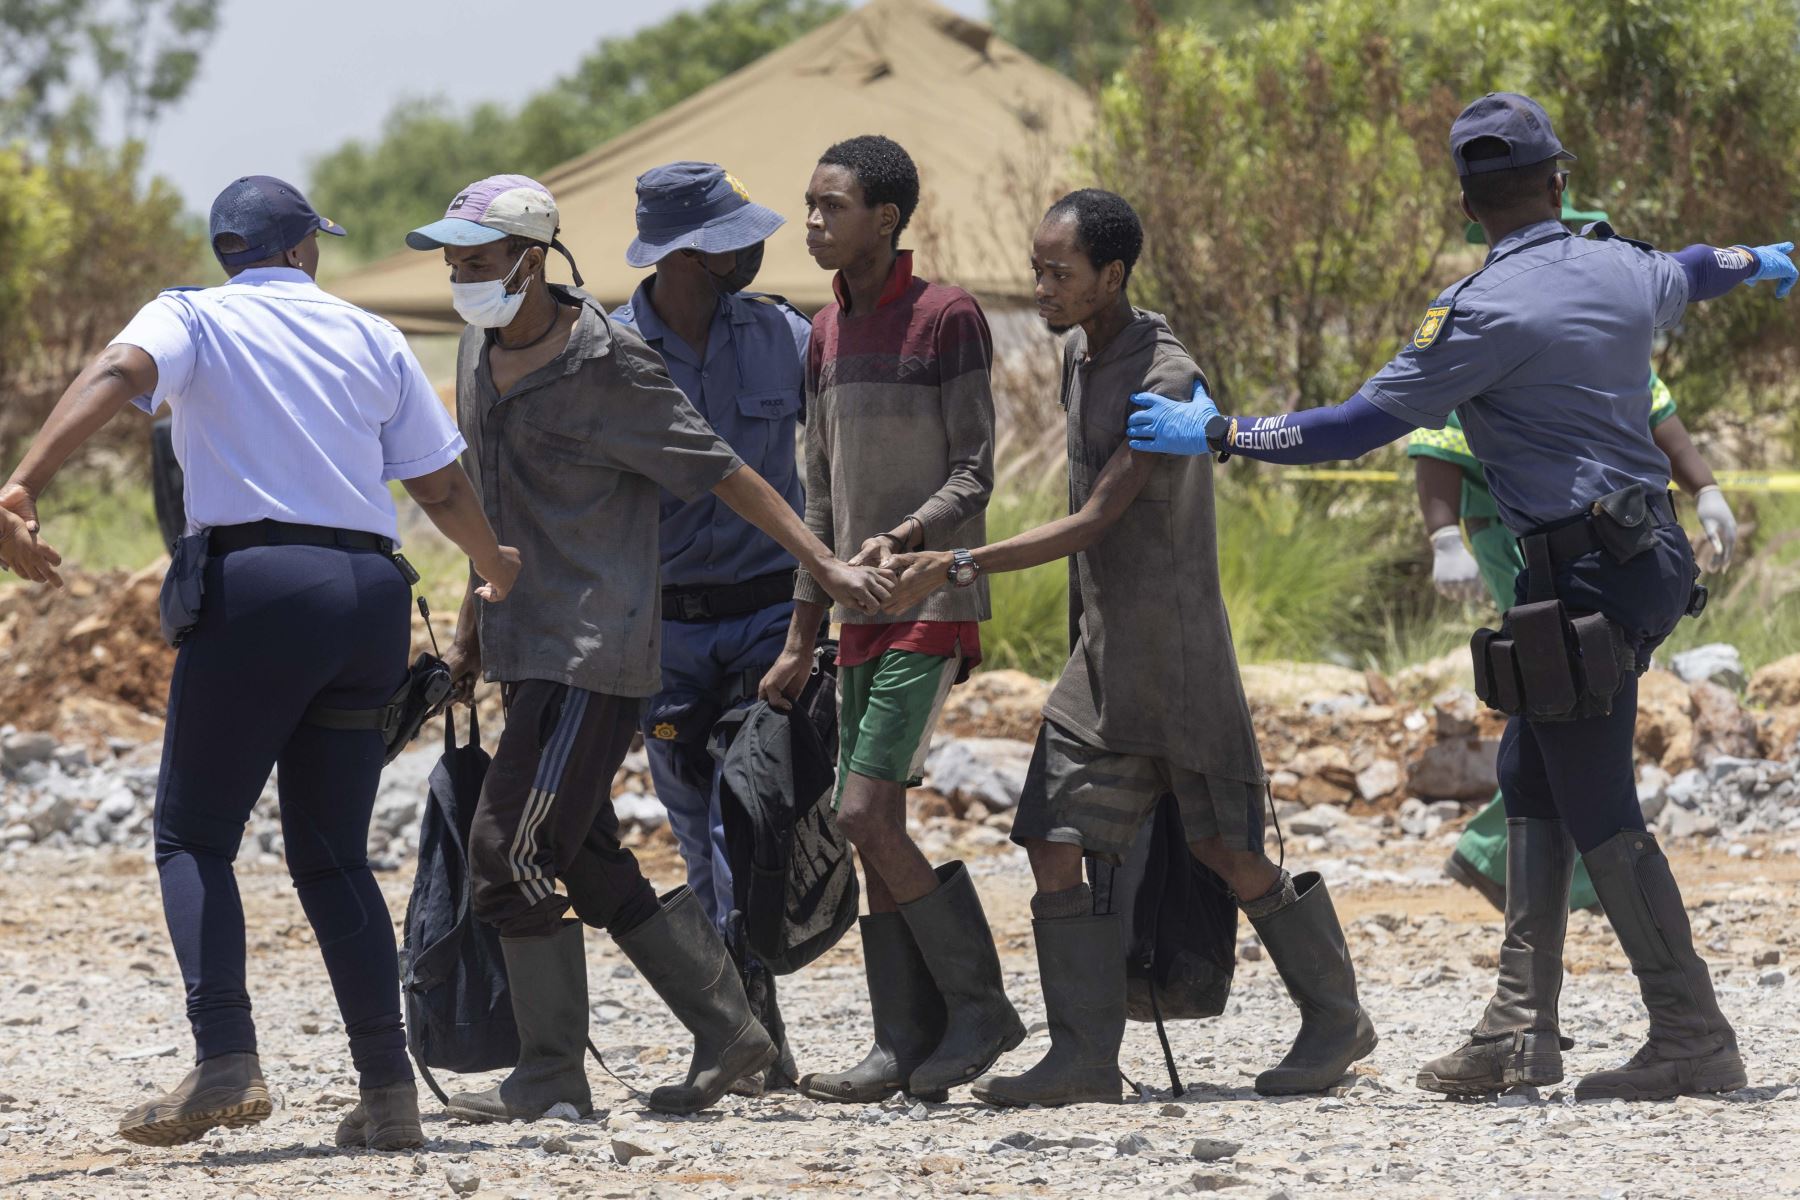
pixel 990 128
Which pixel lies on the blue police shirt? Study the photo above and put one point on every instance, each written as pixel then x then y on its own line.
pixel 751 386
pixel 1544 356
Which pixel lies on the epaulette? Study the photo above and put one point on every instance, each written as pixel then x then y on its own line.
pixel 1602 231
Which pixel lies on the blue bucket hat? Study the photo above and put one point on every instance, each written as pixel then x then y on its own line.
pixel 1516 120
pixel 695 206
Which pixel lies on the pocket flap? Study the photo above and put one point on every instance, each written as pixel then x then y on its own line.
pixel 770 404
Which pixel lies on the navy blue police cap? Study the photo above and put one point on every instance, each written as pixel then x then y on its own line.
pixel 1517 120
pixel 695 206
pixel 269 214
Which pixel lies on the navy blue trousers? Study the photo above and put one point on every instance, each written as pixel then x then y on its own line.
pixel 280 628
pixel 1581 771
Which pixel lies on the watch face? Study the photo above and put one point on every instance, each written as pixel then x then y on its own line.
pixel 962 573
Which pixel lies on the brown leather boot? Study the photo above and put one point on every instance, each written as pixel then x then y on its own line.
pixel 387 1118
pixel 225 1090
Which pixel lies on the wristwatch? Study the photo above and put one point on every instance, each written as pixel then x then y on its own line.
pixel 964 570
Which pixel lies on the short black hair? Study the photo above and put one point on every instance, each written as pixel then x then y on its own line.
pixel 1106 228
pixel 1502 191
pixel 883 168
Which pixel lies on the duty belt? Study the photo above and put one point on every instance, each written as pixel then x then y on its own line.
pixel 718 601
pixel 223 539
pixel 1577 537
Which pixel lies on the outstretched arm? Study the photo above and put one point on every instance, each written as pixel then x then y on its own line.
pixel 1713 271
pixel 1338 431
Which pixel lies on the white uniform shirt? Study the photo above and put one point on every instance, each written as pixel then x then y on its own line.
pixel 288 403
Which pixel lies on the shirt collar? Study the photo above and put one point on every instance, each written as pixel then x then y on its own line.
pixel 1527 233
pixel 898 280
pixel 256 275
pixel 593 333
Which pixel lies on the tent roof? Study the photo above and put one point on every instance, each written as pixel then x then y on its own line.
pixel 990 128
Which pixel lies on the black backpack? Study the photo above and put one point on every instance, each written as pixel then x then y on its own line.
pixel 1181 927
pixel 794 886
pixel 458 1010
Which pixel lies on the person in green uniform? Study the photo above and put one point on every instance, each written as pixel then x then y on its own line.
pixel 1451 486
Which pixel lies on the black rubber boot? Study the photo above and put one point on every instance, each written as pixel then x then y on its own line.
pixel 1691 1049
pixel 548 984
pixel 681 955
pixel 386 1118
pixel 908 1013
pixel 1518 1040
pixel 759 988
pixel 225 1090
pixel 980 1023
pixel 1081 961
pixel 1470 876
pixel 1306 944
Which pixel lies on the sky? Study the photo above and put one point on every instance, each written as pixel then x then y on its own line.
pixel 282 85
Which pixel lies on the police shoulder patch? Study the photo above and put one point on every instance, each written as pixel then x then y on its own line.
pixel 1436 317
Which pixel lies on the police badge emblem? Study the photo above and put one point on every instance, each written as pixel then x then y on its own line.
pixel 1435 318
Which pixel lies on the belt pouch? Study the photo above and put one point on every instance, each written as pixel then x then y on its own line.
pixel 1622 524
pixel 1603 662
pixel 1543 654
pixel 183 587
pixel 1481 656
pixel 1509 696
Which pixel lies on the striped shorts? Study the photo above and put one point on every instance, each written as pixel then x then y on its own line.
pixel 1098 799
pixel 546 814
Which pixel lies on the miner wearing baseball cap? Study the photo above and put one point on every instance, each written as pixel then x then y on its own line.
pixel 576 433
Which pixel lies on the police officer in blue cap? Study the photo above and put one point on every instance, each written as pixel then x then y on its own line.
pixel 1542 354
pixel 727 587
pixel 292 411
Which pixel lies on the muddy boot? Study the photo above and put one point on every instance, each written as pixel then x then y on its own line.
pixel 908 1015
pixel 759 988
pixel 1518 1040
pixel 1300 930
pixel 224 1090
pixel 680 954
pixel 1691 1048
pixel 1462 871
pixel 387 1118
pixel 980 1023
pixel 1081 961
pixel 548 983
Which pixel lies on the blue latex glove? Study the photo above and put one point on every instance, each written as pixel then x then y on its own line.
pixel 1165 426
pixel 1775 262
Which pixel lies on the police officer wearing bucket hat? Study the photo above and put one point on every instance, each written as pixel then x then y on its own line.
pixel 728 587
pixel 1543 354
pixel 292 409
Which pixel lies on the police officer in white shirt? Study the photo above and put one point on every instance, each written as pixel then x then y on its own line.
pixel 292 409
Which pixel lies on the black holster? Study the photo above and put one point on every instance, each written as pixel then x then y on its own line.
pixel 398 721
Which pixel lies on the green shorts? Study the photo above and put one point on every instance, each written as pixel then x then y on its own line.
pixel 889 708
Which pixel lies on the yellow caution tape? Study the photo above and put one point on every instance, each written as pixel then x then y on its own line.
pixel 1730 481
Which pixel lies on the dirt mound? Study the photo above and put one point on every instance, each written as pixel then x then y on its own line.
pixel 88 662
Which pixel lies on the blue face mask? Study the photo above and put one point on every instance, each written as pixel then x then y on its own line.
pixel 488 305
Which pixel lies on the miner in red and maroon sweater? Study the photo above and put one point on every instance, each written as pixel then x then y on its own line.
pixel 899 456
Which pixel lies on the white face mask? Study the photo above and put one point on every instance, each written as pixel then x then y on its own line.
pixel 489 305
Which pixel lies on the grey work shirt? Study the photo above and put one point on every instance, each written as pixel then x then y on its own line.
pixel 568 465
pixel 1153 671
pixel 1544 356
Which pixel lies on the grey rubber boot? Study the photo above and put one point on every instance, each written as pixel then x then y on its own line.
pixel 1518 1040
pixel 548 983
pixel 1306 944
pixel 386 1118
pixel 759 988
pixel 980 1023
pixel 681 955
pixel 1691 1049
pixel 1081 961
pixel 908 1013
pixel 225 1090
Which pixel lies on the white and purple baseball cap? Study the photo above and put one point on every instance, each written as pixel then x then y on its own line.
pixel 493 208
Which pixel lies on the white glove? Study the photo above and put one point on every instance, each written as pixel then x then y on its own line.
pixel 1721 529
pixel 1453 569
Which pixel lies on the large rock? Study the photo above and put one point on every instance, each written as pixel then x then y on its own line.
pixel 991 770
pixel 1457 712
pixel 996 704
pixel 1715 662
pixel 1665 725
pixel 1721 727
pixel 1778 733
pixel 1776 685
pixel 1460 769
pixel 1288 685
pixel 17 749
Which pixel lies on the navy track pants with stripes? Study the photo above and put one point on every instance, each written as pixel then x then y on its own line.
pixel 546 837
